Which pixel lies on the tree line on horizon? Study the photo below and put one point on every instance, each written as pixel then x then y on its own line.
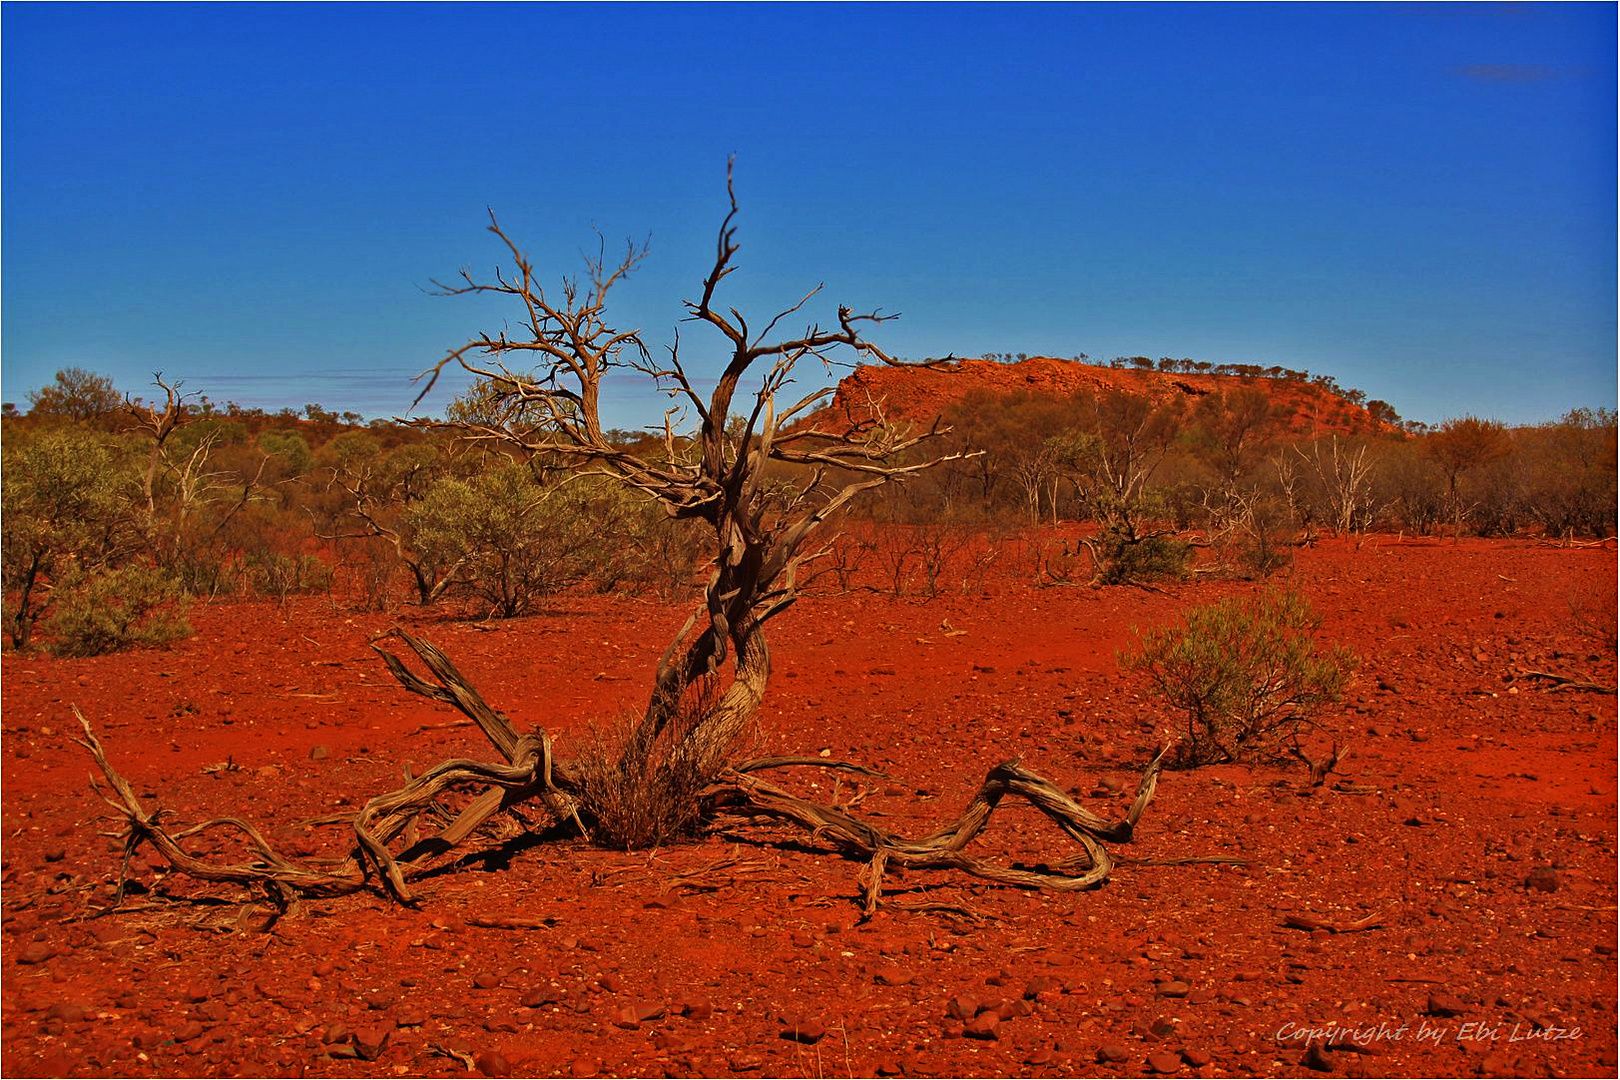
pixel 120 511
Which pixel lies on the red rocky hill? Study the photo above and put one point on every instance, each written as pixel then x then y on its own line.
pixel 921 394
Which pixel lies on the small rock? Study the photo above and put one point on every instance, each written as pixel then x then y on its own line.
pixel 1175 989
pixel 370 1040
pixel 1164 1063
pixel 962 1007
pixel 581 1067
pixel 1542 878
pixel 1444 1005
pixel 888 1067
pixel 493 1063
pixel 1316 1058
pixel 1111 1054
pixel 744 1062
pixel 319 753
pixel 893 976
pixel 1041 984
pixel 486 980
pixel 626 1017
pixel 697 1009
pixel 611 983
pixel 539 996
pixel 35 952
pixel 1196 1058
pixel 983 1026
pixel 1163 1027
pixel 55 854
pixel 805 1031
pixel 68 1014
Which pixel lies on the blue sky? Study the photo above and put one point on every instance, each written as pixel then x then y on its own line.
pixel 1418 200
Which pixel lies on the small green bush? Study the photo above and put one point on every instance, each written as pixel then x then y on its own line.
pixel 1123 559
pixel 129 607
pixel 1247 674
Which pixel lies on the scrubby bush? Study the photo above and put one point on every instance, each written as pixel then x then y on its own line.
pixel 69 505
pixel 1247 675
pixel 116 609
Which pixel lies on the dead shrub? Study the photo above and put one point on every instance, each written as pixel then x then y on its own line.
pixel 635 801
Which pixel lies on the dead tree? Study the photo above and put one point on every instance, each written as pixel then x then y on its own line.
pixel 762 482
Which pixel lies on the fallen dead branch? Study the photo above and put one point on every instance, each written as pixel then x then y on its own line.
pixel 1313 923
pixel 1579 684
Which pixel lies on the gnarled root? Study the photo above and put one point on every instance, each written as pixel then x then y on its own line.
pixel 741 794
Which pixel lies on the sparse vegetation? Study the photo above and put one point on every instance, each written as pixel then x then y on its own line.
pixel 1247 676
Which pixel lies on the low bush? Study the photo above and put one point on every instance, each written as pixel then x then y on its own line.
pixel 1247 675
pixel 117 609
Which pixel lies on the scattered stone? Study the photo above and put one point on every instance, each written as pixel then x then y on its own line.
pixel 539 996
pixel 983 1026
pixel 1175 989
pixel 1112 1054
pixel 1542 878
pixel 1164 1063
pixel 697 1009
pixel 68 1014
pixel 893 976
pixel 493 1063
pixel 1444 1005
pixel 962 1007
pixel 1196 1058
pixel 1316 1058
pixel 611 983
pixel 1163 1027
pixel 370 1040
pixel 805 1031
pixel 1041 984
pixel 626 1017
pixel 319 753
pixel 650 1010
pixel 581 1067
pixel 486 980
pixel 188 1032
pixel 888 1067
pixel 744 1062
pixel 55 854
pixel 1043 1056
pixel 35 952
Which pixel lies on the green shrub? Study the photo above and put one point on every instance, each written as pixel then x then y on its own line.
pixel 1124 559
pixel 1247 675
pixel 117 609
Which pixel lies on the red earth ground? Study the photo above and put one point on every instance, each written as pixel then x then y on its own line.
pixel 1473 825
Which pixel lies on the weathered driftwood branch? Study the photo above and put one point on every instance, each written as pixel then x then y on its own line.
pixel 742 795
pixel 531 772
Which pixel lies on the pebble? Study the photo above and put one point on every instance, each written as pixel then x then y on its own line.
pixel 983 1026
pixel 35 952
pixel 1112 1054
pixel 1444 1005
pixel 1175 989
pixel 962 1007
pixel 697 1009
pixel 486 980
pixel 805 1031
pixel 370 1040
pixel 539 996
pixel 1164 1062
pixel 893 976
pixel 493 1063
pixel 319 753
pixel 1543 879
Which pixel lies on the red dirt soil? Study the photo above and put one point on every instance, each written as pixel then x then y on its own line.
pixel 1473 823
pixel 922 394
